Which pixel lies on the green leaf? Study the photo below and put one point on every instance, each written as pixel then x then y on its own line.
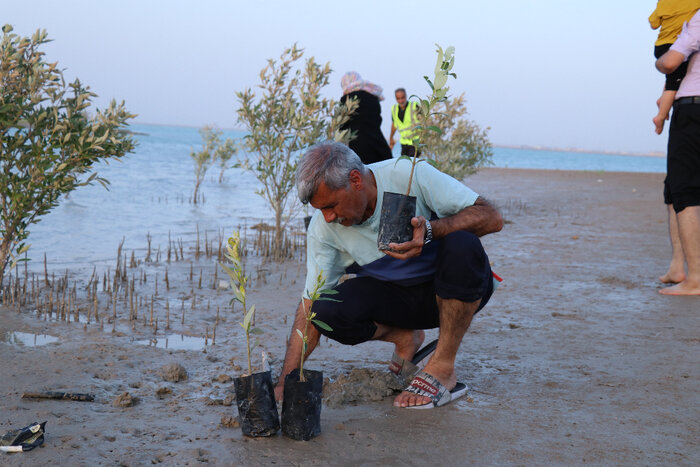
pixel 230 272
pixel 321 325
pixel 435 129
pixel 327 299
pixel 237 293
pixel 248 318
pixel 256 331
pixel 300 333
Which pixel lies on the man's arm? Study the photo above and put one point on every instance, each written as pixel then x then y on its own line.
pixel 481 218
pixel 687 43
pixel 292 355
pixel 391 135
pixel 668 62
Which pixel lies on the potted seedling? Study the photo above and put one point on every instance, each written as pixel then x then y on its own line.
pixel 255 397
pixel 398 209
pixel 301 406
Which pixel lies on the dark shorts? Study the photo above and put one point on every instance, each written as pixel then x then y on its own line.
pixel 463 273
pixel 673 80
pixel 682 184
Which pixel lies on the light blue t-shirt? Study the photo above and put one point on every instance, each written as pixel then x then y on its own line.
pixel 331 248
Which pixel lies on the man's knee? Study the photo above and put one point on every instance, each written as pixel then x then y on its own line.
pixel 464 271
pixel 344 328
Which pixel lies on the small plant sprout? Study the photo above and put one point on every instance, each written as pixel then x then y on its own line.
pixel 238 281
pixel 443 68
pixel 314 296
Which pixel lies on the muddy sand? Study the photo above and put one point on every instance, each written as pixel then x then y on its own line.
pixel 577 359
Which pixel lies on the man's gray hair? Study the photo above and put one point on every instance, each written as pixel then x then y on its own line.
pixel 328 162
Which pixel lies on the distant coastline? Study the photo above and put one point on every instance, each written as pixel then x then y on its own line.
pixel 583 151
pixel 508 146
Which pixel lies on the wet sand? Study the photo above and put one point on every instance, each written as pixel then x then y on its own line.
pixel 577 359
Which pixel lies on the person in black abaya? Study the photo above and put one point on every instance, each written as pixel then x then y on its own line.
pixel 369 143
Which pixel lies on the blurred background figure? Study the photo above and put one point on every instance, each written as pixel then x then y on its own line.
pixel 370 143
pixel 403 118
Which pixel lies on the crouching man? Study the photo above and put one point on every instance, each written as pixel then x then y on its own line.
pixel 440 278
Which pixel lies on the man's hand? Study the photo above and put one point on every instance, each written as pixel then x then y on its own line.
pixel 414 247
pixel 391 143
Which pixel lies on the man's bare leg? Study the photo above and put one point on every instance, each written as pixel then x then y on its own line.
pixel 455 318
pixel 407 341
pixel 689 229
pixel 676 270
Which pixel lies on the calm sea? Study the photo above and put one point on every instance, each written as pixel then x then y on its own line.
pixel 150 193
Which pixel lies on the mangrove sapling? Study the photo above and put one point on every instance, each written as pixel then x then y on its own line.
pixel 398 210
pixel 214 149
pixel 317 294
pixel 445 62
pixel 224 152
pixel 239 281
pixel 301 404
pixel 47 139
pixel 257 409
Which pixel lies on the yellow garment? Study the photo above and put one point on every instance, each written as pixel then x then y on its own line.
pixel 670 15
pixel 408 122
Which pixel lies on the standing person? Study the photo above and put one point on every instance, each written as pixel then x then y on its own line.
pixel 670 15
pixel 440 278
pixel 682 184
pixel 403 117
pixel 369 142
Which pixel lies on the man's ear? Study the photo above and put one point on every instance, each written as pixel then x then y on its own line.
pixel 356 180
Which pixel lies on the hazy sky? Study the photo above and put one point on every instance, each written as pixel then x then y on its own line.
pixel 552 73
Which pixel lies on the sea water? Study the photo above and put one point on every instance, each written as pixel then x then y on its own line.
pixel 150 193
pixel 563 160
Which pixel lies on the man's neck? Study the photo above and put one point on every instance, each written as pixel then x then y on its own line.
pixel 371 183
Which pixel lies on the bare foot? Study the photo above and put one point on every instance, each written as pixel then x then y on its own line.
pixel 443 373
pixel 683 288
pixel 672 277
pixel 408 343
pixel 659 123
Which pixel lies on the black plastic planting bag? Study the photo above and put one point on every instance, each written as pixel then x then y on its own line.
pixel 395 220
pixel 24 439
pixel 301 407
pixel 257 409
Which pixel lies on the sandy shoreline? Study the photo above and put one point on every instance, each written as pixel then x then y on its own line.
pixel 576 359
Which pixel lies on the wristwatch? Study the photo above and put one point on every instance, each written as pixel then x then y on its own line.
pixel 428 233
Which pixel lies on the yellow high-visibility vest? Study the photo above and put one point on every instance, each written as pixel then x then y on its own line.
pixel 408 122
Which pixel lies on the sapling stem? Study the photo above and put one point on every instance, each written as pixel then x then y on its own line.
pixel 309 317
pixel 238 285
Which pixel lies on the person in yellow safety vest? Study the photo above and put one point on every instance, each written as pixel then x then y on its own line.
pixel 403 117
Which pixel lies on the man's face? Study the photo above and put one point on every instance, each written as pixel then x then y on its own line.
pixel 345 206
pixel 401 98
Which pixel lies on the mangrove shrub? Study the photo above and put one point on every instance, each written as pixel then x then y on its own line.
pixel 286 118
pixel 47 139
